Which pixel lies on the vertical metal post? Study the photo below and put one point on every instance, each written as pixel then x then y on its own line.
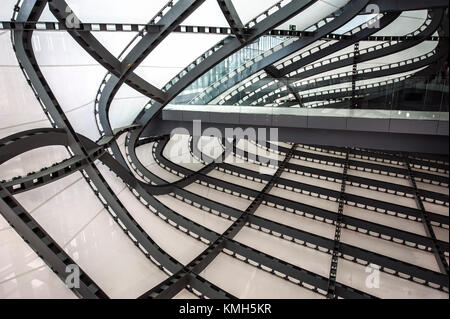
pixel 331 292
pixel 439 255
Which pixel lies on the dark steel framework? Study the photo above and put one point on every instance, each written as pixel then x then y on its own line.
pixel 86 152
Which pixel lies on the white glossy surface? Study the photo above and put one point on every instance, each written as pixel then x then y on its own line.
pixel 173 241
pixel 305 199
pixel 32 161
pixel 112 260
pixel 89 235
pixel 22 273
pixel 245 281
pixel 314 13
pixel 385 219
pixel 408 21
pixel 19 109
pixel 296 221
pixel 381 177
pixel 312 164
pixel 237 180
pixel 135 11
pixel 432 187
pixel 195 214
pixel 304 257
pixel 145 155
pixel 185 294
pixel 385 197
pixel 218 196
pixel 177 150
pixel 41 283
pixel 165 62
pixel 387 248
pixel 391 287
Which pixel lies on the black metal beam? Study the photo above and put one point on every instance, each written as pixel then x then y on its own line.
pixel 440 258
pixel 350 10
pixel 45 246
pixel 331 291
pixel 390 265
pixel 43 26
pixel 233 19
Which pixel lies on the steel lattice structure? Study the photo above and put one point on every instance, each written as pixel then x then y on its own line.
pixel 279 73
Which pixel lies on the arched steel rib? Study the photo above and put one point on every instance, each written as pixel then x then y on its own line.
pixel 379 185
pixel 436 165
pixel 370 55
pixel 332 64
pixel 414 271
pixel 349 12
pixel 32 10
pixel 145 188
pixel 170 287
pixel 39 138
pixel 224 49
pixel 353 251
pixel 379 205
pixel 437 250
pixel 233 19
pixel 61 11
pixel 222 241
pixel 130 226
pixel 45 246
pixel 390 170
pixel 363 74
pixel 122 71
pixel 354 222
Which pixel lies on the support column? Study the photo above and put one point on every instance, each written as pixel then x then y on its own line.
pixel 439 255
pixel 331 293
